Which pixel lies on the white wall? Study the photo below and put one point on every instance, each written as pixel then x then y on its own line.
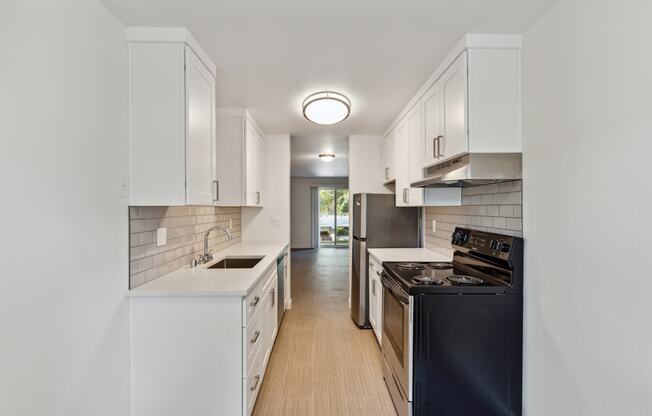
pixel 257 222
pixel 64 346
pixel 301 206
pixel 587 219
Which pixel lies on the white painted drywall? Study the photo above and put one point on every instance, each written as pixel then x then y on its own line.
pixel 587 73
pixel 301 206
pixel 257 222
pixel 64 346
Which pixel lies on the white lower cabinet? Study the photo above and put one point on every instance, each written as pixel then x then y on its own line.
pixel 202 355
pixel 375 297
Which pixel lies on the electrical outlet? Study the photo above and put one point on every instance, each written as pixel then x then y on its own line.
pixel 434 225
pixel 274 222
pixel 161 236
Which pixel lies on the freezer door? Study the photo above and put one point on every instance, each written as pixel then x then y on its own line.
pixel 387 226
pixel 360 215
pixel 359 295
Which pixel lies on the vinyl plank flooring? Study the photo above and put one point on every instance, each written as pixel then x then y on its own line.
pixel 322 364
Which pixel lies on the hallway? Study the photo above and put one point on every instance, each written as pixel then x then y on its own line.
pixel 322 364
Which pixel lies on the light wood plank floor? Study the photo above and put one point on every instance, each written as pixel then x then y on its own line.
pixel 322 364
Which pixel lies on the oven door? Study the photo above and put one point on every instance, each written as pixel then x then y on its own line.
pixel 397 337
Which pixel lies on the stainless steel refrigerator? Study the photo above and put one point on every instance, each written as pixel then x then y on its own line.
pixel 377 223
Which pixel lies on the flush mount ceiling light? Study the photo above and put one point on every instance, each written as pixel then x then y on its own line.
pixel 326 157
pixel 326 107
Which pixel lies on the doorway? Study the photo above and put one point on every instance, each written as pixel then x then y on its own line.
pixel 333 224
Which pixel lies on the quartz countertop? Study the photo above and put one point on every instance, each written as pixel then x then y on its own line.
pixel 408 255
pixel 202 281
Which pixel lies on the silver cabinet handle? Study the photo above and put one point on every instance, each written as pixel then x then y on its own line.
pixel 436 147
pixel 273 292
pixel 255 301
pixel 257 378
pixel 373 287
pixel 386 173
pixel 405 195
pixel 440 145
pixel 217 190
pixel 257 197
pixel 255 338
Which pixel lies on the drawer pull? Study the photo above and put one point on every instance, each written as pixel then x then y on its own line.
pixel 255 338
pixel 253 388
pixel 255 301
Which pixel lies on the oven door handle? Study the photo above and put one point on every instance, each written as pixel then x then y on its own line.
pixel 394 288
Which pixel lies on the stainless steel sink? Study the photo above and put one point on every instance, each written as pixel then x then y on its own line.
pixel 236 263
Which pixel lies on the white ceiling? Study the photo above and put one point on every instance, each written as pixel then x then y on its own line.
pixel 271 54
pixel 306 163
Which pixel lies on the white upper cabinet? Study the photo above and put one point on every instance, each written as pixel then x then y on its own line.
pixel 388 156
pixel 172 118
pixel 474 106
pixel 402 163
pixel 445 115
pixel 470 104
pixel 415 138
pixel 432 123
pixel 408 151
pixel 200 131
pixel 241 160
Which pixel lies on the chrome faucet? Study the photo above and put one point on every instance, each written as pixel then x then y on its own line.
pixel 207 255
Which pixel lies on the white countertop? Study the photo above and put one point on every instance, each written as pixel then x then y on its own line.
pixel 202 281
pixel 408 255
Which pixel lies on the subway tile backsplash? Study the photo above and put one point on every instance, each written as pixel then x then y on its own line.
pixel 496 208
pixel 185 238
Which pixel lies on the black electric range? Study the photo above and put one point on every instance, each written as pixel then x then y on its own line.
pixel 422 278
pixel 452 332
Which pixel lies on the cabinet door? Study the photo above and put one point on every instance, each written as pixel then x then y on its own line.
pixel 388 158
pixel 200 132
pixel 262 170
pixel 252 176
pixel 402 163
pixel 379 309
pixel 432 125
pixel 269 317
pixel 372 298
pixel 415 162
pixel 454 88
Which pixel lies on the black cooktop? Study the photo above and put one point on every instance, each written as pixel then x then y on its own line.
pixel 418 278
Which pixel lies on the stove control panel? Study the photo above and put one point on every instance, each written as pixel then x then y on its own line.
pixel 494 245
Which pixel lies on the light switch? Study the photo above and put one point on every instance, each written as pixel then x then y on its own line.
pixel 434 225
pixel 161 236
pixel 124 187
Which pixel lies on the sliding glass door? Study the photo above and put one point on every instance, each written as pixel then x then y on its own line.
pixel 333 217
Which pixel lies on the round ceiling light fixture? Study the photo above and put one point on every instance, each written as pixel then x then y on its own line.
pixel 326 107
pixel 326 157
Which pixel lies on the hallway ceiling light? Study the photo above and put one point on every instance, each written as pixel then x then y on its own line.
pixel 326 157
pixel 326 107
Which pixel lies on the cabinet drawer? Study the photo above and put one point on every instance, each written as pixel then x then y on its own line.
pixel 252 303
pixel 251 384
pixel 253 338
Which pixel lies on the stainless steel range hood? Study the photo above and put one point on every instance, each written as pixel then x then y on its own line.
pixel 473 169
